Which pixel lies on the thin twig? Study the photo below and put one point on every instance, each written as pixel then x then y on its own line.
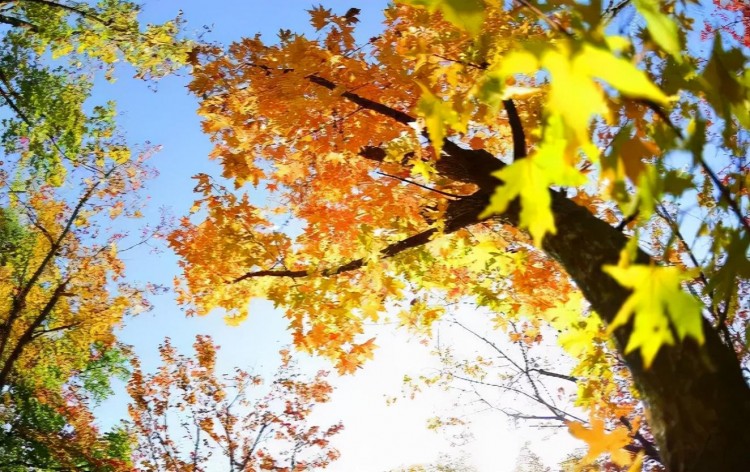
pixel 451 195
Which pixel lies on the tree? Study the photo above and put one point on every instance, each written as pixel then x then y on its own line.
pixel 66 174
pixel 186 412
pixel 528 461
pixel 509 155
pixel 45 98
pixel 734 20
pixel 48 429
pixel 64 297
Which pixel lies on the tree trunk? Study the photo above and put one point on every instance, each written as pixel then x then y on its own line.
pixel 697 401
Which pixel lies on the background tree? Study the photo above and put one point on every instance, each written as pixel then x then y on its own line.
pixel 445 463
pixel 528 461
pixel 67 172
pixel 522 118
pixel 63 298
pixel 186 412
pixel 732 18
pixel 48 429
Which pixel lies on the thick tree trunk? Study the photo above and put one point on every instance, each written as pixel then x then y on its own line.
pixel 697 400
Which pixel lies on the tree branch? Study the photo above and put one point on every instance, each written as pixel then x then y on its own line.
pixel 19 298
pixel 73 9
pixel 516 128
pixel 52 330
pixel 28 334
pixel 553 23
pixel 726 194
pixel 389 251
pixel 18 23
pixel 385 110
pixel 251 451
pixel 411 182
pixel 648 447
pixel 548 373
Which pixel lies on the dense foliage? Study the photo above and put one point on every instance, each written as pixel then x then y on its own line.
pixel 518 156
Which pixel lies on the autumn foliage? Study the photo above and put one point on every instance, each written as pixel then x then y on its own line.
pixel 576 170
pixel 66 178
pixel 505 155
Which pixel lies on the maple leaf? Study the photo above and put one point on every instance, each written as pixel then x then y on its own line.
pixel 351 15
pixel 319 17
pixel 438 115
pixel 530 179
pixel 600 441
pixel 662 28
pixel 658 304
pixel 468 14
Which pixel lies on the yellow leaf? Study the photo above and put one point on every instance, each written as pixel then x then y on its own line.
pixel 602 442
pixel 620 74
pixel 235 318
pixel 422 168
pixel 530 178
pixel 658 304
pixel 468 14
pixel 516 92
pixel 637 464
pixel 437 114
pixel 662 28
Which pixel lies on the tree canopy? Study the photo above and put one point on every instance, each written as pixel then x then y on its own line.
pixel 556 163
pixel 187 412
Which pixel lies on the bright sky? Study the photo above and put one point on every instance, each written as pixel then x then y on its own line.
pixel 376 437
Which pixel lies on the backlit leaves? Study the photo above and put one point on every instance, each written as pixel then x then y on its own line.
pixel 662 28
pixel 530 179
pixel 438 116
pixel 658 305
pixel 468 14
pixel 367 149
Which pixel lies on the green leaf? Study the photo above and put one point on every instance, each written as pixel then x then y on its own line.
pixel 726 279
pixel 662 28
pixel 467 14
pixel 726 84
pixel 658 304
